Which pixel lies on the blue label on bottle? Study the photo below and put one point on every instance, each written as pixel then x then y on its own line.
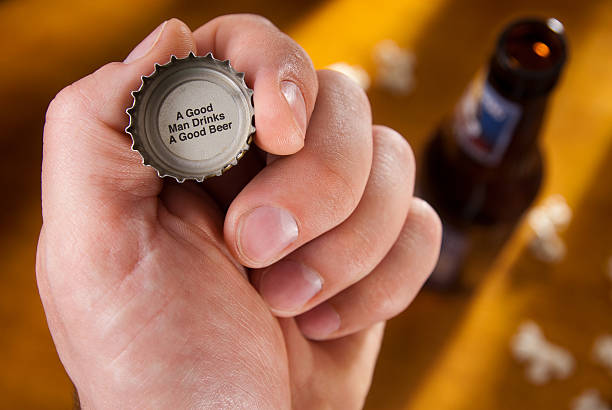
pixel 485 122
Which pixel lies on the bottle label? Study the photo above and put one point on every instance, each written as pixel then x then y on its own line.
pixel 484 123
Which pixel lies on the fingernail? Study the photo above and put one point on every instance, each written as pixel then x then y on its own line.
pixel 147 44
pixel 265 232
pixel 320 322
pixel 287 286
pixel 294 97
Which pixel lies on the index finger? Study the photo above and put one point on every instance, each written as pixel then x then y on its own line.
pixel 276 67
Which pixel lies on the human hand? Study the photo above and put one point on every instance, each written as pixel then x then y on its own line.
pixel 145 282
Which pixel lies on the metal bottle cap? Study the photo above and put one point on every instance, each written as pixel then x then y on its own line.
pixel 192 118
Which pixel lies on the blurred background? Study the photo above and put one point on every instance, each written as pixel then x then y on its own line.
pixel 449 350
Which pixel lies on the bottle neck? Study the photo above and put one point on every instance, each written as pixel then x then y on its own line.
pixel 493 128
pixel 531 110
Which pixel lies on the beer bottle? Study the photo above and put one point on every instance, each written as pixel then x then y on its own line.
pixel 483 167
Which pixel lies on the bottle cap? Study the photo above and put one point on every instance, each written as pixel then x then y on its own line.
pixel 192 118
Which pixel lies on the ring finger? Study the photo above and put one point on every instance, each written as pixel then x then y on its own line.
pixel 391 286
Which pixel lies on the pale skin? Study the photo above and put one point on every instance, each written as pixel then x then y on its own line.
pixel 265 288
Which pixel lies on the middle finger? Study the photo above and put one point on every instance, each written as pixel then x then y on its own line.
pixel 322 268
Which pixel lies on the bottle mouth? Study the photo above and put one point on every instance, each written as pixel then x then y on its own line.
pixel 529 57
pixel 533 48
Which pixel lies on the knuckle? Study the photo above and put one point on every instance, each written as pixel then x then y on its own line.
pixel 425 232
pixel 348 108
pixel 112 67
pixel 396 145
pixel 349 88
pixel 84 95
pixel 343 192
pixel 294 64
pixel 387 301
pixel 180 24
pixel 295 61
pixel 251 18
pixel 432 224
pixel 394 158
pixel 65 103
pixel 369 254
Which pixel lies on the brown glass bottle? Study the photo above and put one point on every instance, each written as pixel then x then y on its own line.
pixel 484 165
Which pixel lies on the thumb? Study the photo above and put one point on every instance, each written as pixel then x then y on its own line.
pixel 87 160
